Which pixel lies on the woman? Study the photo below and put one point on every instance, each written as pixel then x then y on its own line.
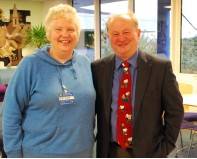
pixel 49 103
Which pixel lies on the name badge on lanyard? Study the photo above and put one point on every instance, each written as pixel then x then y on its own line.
pixel 66 97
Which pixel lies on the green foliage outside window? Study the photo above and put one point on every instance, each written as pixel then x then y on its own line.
pixel 189 55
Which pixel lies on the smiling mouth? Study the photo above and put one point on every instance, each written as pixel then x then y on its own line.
pixel 122 45
pixel 65 42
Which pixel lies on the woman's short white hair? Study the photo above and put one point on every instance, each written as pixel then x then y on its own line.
pixel 61 10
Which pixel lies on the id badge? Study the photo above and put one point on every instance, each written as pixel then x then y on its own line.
pixel 66 97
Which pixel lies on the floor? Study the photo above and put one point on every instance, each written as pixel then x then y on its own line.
pixel 186 141
pixel 181 154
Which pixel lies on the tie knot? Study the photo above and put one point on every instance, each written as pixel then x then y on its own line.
pixel 125 64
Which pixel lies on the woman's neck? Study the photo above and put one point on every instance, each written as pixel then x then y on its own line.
pixel 60 56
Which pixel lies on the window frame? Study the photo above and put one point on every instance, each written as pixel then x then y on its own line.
pixel 175 39
pixel 176 27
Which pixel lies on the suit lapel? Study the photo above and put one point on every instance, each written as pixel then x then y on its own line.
pixel 108 82
pixel 143 75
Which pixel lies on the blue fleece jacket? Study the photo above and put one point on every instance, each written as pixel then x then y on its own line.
pixel 34 122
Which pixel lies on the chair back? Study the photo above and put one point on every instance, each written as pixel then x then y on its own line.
pixel 185 88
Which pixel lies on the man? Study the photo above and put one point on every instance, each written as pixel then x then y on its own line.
pixel 143 89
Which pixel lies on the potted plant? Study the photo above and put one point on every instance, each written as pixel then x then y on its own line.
pixel 36 36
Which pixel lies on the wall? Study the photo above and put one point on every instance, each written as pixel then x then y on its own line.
pixel 49 3
pixel 45 5
pixel 38 9
pixel 34 6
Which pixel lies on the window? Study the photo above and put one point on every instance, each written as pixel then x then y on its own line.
pixel 147 17
pixel 108 8
pixel 189 37
pixel 85 10
pixel 150 22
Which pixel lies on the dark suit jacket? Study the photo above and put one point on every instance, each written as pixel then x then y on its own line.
pixel 158 106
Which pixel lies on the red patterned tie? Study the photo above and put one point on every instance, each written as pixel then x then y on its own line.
pixel 124 112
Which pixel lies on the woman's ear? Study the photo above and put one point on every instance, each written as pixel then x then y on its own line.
pixel 139 32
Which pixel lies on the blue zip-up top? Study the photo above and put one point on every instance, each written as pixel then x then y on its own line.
pixel 34 122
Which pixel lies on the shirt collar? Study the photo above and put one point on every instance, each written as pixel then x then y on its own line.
pixel 132 61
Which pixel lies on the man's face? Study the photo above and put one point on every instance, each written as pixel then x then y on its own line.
pixel 124 37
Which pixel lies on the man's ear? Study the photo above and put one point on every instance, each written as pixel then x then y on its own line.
pixel 108 35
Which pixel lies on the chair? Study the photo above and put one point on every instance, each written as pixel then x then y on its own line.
pixel 189 118
pixel 2 91
pixel 185 88
pixel 3 88
pixel 188 123
pixel 3 154
pixel 193 132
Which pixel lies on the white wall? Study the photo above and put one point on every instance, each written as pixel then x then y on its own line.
pixel 34 6
pixel 50 3
pixel 38 9
pixel 43 9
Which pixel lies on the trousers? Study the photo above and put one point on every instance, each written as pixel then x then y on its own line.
pixel 116 151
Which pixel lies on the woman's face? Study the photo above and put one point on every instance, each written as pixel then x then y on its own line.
pixel 63 35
